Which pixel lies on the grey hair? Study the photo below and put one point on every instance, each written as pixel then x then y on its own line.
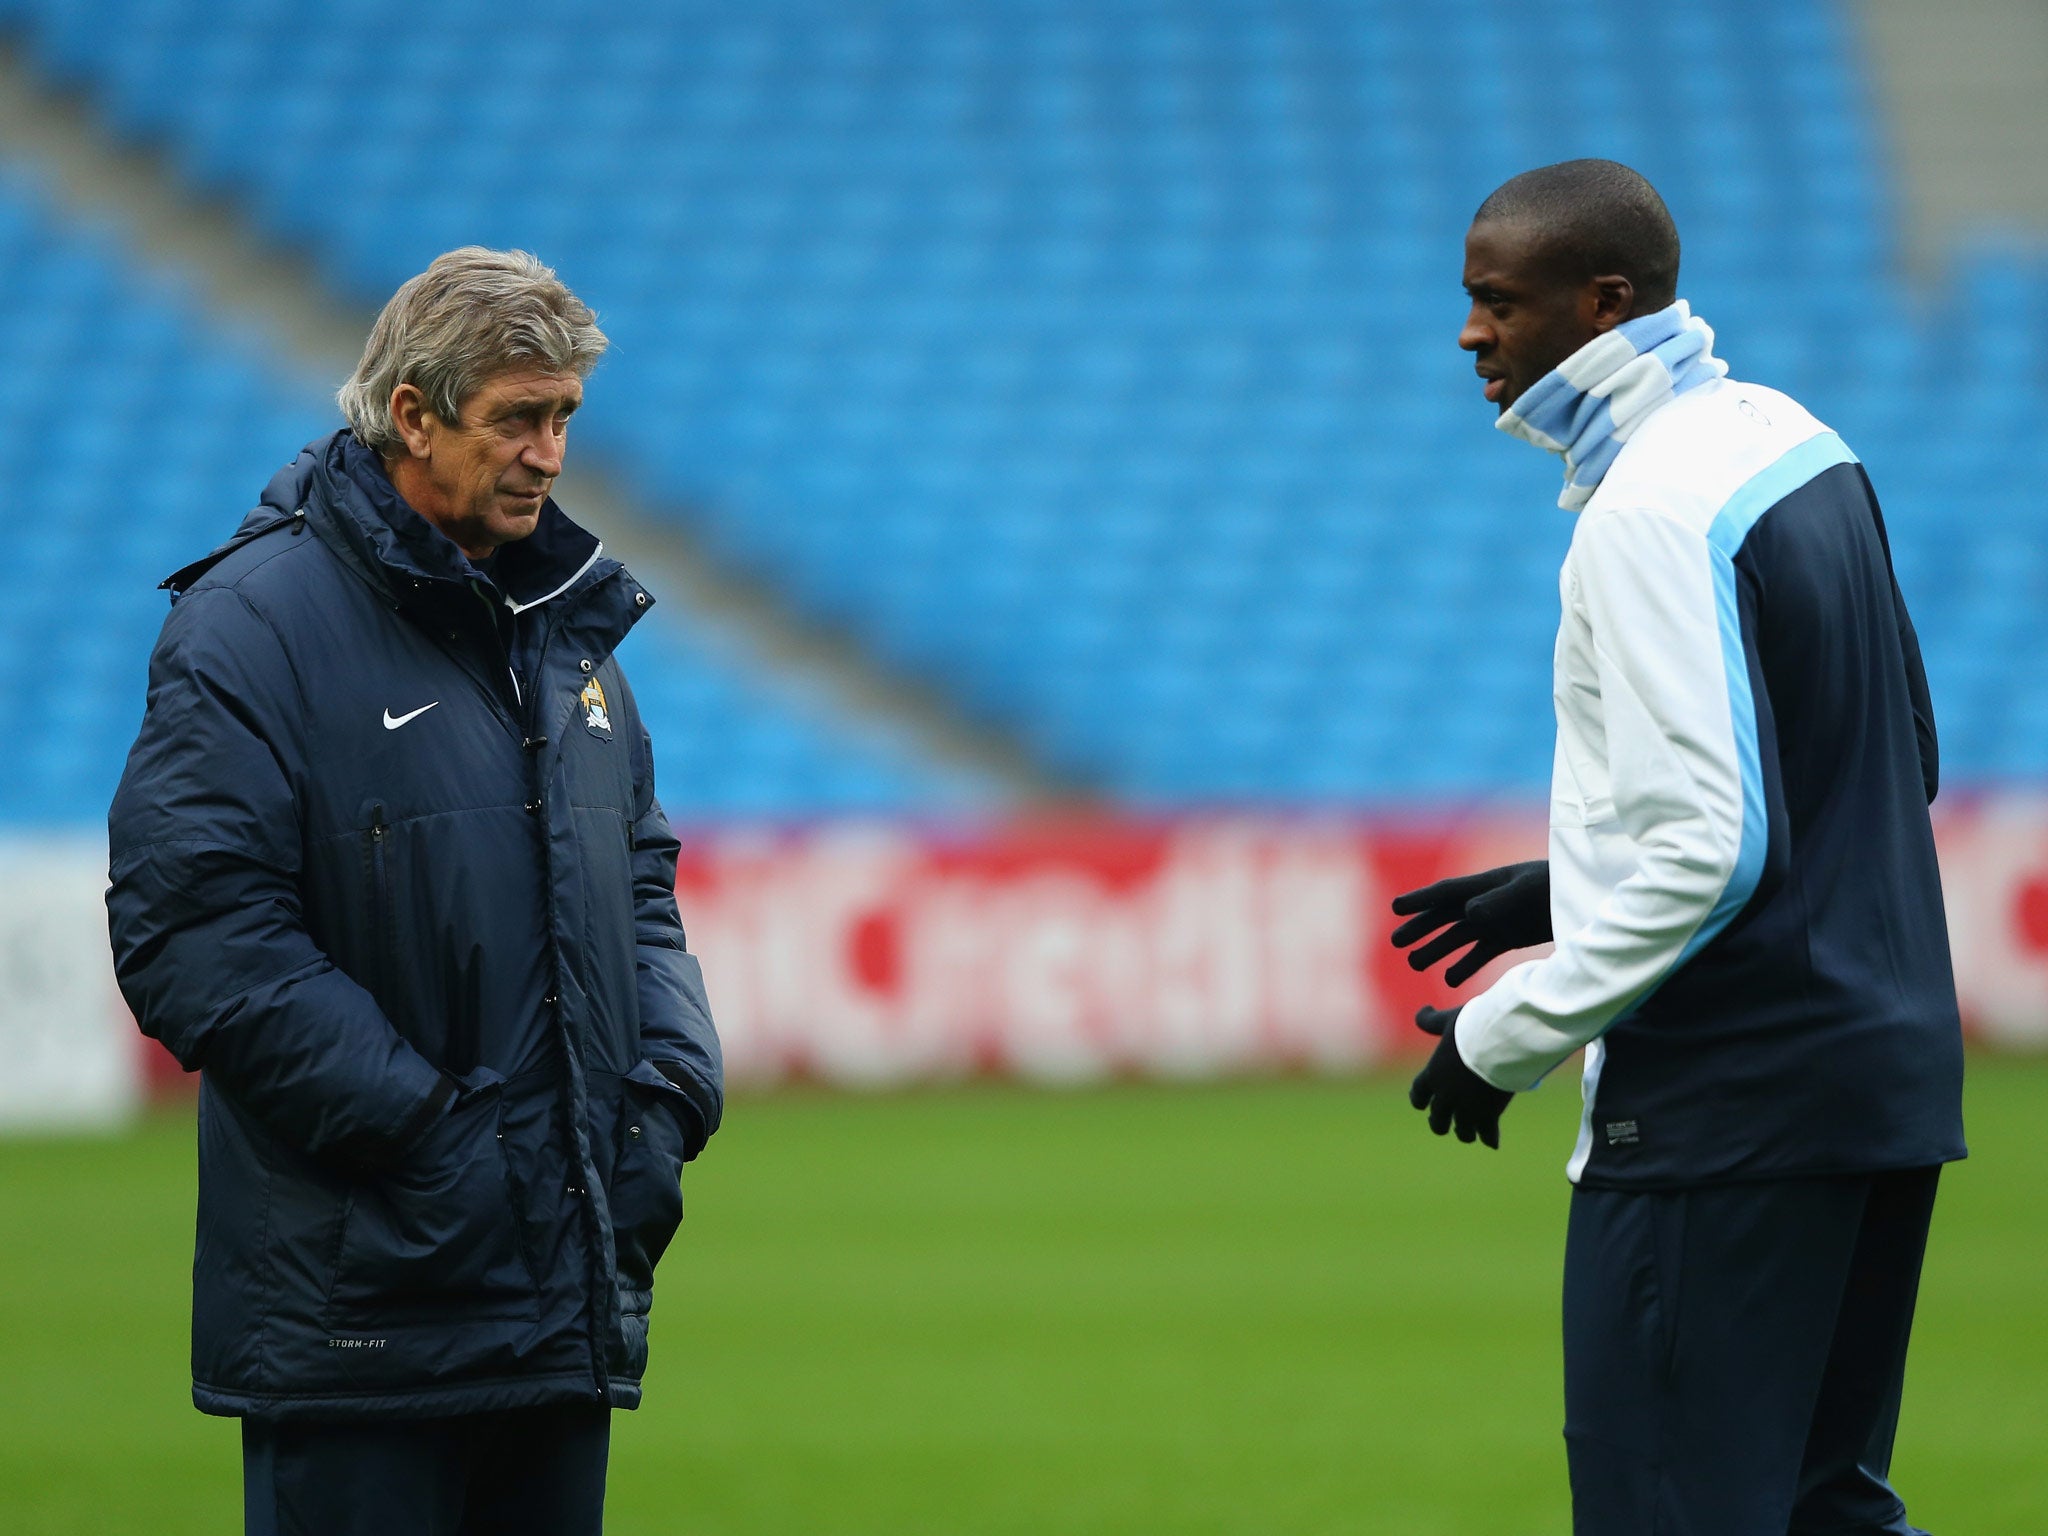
pixel 472 315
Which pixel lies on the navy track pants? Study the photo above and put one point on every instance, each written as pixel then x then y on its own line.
pixel 520 1472
pixel 1734 1355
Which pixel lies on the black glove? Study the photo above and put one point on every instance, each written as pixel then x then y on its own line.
pixel 1494 911
pixel 1452 1092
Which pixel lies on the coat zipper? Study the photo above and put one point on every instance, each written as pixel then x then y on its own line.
pixel 528 712
pixel 380 899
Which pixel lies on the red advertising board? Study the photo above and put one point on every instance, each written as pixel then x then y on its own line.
pixel 1994 879
pixel 1066 949
pixel 1071 949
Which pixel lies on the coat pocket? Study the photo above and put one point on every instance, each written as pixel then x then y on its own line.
pixel 439 1237
pixel 646 1191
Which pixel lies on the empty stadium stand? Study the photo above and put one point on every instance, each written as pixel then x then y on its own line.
pixel 1091 360
pixel 136 435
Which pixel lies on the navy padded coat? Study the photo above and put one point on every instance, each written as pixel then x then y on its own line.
pixel 414 924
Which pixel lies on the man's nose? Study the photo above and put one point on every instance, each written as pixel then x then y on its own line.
pixel 1475 334
pixel 544 454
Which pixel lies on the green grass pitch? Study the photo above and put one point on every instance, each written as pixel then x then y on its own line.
pixel 1273 1307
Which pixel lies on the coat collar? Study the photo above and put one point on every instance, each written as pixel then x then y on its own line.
pixel 340 488
pixel 1588 406
pixel 349 493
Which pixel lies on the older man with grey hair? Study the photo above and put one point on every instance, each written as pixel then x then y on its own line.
pixel 388 872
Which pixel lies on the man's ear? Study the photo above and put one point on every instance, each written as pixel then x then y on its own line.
pixel 1606 302
pixel 412 420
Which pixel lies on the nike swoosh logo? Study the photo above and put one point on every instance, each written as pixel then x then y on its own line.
pixel 391 724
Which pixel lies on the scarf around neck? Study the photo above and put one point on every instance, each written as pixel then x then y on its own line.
pixel 1591 403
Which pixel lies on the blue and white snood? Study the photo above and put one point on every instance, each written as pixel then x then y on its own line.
pixel 1588 405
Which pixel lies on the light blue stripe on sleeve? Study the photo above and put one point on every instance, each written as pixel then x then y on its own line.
pixel 1731 525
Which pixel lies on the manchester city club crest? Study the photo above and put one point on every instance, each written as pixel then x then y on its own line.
pixel 595 717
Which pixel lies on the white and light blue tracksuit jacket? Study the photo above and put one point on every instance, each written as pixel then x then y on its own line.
pixel 1750 934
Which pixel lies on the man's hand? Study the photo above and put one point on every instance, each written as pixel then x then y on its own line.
pixel 1494 911
pixel 1455 1095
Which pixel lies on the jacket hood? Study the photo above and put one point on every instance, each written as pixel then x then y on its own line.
pixel 282 502
pixel 290 486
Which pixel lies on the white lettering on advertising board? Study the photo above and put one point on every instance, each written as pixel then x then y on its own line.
pixel 858 954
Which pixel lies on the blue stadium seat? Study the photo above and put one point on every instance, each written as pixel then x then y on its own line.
pixel 1095 364
pixel 137 439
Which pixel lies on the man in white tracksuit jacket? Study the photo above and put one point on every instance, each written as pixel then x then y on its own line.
pixel 1742 890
